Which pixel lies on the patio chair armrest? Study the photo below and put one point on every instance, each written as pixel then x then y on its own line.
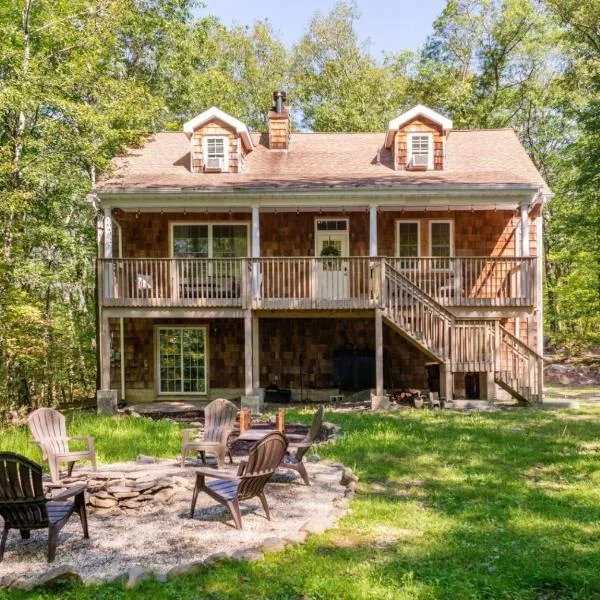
pixel 74 490
pixel 215 474
pixel 187 434
pixel 242 467
pixel 88 439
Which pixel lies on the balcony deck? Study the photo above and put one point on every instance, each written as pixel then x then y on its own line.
pixel 308 283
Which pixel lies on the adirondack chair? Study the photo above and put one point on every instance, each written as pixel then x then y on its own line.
pixel 294 456
pixel 50 433
pixel 219 420
pixel 252 476
pixel 24 506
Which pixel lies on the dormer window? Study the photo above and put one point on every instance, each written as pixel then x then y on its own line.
pixel 215 153
pixel 420 151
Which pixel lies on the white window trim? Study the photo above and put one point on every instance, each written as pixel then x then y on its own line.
pixel 397 226
pixel 409 149
pixel 225 139
pixel 157 330
pixel 451 223
pixel 172 224
pixel 345 231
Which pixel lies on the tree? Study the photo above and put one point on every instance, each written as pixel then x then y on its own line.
pixel 337 84
pixel 78 81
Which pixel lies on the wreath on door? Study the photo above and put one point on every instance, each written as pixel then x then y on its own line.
pixel 330 250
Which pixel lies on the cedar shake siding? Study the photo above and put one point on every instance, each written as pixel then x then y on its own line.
pixel 419 125
pixel 293 352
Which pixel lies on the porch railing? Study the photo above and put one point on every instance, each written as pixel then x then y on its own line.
pixel 312 283
pixel 472 281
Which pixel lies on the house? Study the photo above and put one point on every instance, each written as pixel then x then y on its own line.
pixel 233 260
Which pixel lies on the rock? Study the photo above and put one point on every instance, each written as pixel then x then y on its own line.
pixel 102 494
pixel 144 498
pixel 130 504
pixel 341 503
pixel 313 458
pixel 107 476
pixel 273 544
pixel 186 568
pixel 348 476
pixel 143 486
pixel 183 482
pixel 248 555
pixel 7 581
pixel 22 585
pixel 164 496
pixel 161 484
pixel 126 495
pixel 136 575
pixel 217 557
pixel 55 578
pixel 316 525
pixel 102 502
pixel 142 459
pixel 74 478
pixel 296 537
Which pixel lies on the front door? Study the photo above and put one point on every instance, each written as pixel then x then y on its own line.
pixel 332 270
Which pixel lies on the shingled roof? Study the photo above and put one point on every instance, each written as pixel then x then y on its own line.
pixel 473 157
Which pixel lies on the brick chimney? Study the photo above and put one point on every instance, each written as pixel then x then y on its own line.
pixel 279 123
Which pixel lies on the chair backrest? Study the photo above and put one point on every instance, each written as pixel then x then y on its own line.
pixel 219 415
pixel 48 427
pixel 22 500
pixel 313 432
pixel 263 459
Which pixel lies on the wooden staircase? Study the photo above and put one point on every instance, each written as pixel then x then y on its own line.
pixel 462 345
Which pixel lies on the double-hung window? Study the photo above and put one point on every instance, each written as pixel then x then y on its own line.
pixel 441 242
pixel 407 244
pixel 420 146
pixel 215 153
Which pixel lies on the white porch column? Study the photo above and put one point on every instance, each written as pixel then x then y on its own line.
pixel 255 251
pixel 373 230
pixel 108 251
pixel 248 352
pixel 539 298
pixel 524 231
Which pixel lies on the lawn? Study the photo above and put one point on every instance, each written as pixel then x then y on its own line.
pixel 498 506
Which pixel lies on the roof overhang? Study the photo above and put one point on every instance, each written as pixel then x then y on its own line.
pixel 438 197
pixel 216 113
pixel 417 111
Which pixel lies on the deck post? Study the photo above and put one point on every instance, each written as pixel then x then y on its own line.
pixel 255 354
pixel 255 252
pixel 104 353
pixel 248 352
pixel 446 382
pixel 379 399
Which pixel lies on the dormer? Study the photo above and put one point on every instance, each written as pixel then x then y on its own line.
pixel 417 139
pixel 219 142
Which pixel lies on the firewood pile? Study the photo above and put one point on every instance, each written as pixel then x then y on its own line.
pixel 408 397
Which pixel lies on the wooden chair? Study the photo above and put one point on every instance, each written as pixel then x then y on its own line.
pixel 252 476
pixel 50 433
pixel 219 420
pixel 293 458
pixel 24 506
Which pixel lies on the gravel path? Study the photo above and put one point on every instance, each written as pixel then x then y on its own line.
pixel 160 537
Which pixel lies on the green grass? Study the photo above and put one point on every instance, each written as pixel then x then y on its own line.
pixel 450 506
pixel 116 439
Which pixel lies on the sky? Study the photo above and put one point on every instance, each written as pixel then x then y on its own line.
pixel 390 25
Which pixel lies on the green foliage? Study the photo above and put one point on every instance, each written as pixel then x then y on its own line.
pixel 117 439
pixel 449 505
pixel 337 84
